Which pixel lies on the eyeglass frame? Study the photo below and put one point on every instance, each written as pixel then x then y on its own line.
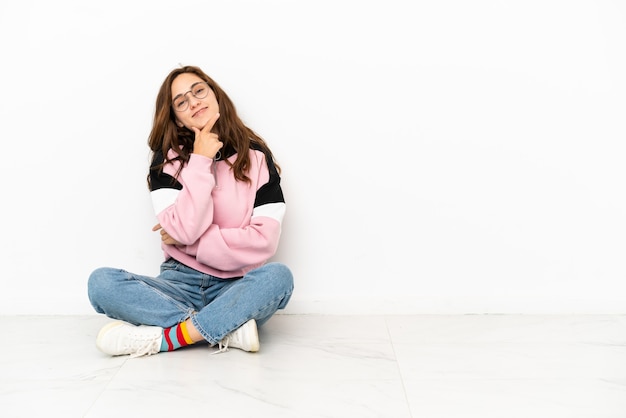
pixel 190 91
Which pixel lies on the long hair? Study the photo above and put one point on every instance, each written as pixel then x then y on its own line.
pixel 232 132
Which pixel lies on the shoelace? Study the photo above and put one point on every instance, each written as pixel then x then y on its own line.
pixel 143 346
pixel 223 346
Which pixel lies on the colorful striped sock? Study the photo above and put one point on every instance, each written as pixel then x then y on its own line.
pixel 175 337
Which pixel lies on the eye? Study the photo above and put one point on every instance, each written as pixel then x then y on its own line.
pixel 180 104
pixel 198 91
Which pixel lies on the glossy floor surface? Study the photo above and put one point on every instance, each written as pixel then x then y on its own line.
pixel 502 366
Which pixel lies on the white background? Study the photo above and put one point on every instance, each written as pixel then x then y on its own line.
pixel 438 156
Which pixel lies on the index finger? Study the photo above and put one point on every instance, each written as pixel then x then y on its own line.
pixel 209 125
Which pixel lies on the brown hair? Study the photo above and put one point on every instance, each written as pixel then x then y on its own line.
pixel 235 135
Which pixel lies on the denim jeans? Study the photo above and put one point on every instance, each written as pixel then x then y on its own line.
pixel 216 306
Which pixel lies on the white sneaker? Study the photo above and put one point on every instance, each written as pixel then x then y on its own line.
pixel 119 338
pixel 246 338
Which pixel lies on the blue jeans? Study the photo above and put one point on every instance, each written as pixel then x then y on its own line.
pixel 216 306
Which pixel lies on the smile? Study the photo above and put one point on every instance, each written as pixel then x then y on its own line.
pixel 198 112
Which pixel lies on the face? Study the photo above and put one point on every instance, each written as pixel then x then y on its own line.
pixel 198 110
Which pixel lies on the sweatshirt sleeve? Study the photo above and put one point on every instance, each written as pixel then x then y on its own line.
pixel 184 212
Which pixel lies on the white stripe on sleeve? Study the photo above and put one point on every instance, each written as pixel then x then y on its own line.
pixel 271 210
pixel 162 198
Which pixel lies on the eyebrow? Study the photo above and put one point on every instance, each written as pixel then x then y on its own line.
pixel 190 88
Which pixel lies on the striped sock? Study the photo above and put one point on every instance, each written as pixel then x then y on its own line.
pixel 175 337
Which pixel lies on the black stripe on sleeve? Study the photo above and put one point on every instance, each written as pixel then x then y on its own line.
pixel 159 179
pixel 270 192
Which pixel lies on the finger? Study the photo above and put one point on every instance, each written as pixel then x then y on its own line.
pixel 209 125
pixel 156 227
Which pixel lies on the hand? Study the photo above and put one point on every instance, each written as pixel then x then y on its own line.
pixel 165 237
pixel 206 142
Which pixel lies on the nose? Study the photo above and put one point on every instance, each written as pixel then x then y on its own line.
pixel 193 101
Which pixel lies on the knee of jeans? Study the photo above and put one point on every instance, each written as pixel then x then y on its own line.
pixel 283 275
pixel 282 280
pixel 99 284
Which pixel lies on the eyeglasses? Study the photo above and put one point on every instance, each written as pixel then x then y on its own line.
pixel 199 90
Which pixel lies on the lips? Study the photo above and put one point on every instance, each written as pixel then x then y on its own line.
pixel 199 111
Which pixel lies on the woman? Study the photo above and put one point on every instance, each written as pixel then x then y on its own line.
pixel 216 193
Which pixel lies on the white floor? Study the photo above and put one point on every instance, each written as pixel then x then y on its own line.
pixel 328 366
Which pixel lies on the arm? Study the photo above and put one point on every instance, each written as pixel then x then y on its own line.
pixel 231 249
pixel 184 212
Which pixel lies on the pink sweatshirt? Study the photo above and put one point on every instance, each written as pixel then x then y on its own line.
pixel 227 227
